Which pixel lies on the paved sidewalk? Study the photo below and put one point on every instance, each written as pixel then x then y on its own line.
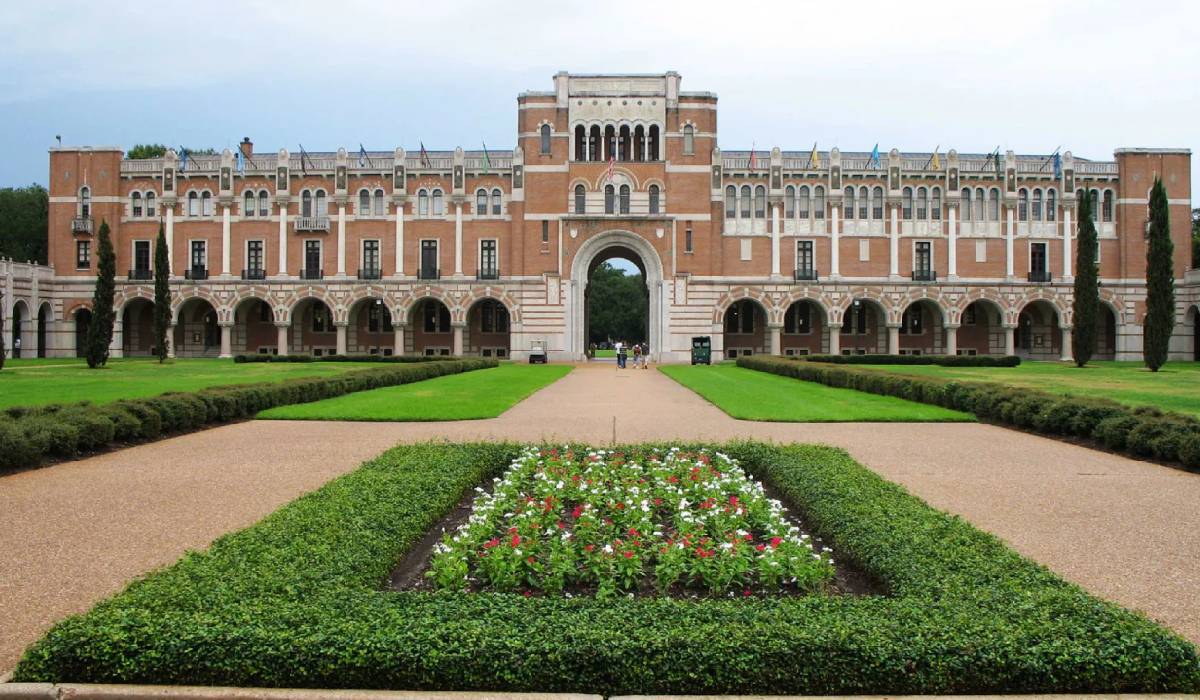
pixel 77 532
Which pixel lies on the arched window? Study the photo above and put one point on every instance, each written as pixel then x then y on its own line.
pixel 1051 204
pixel 730 202
pixel 594 142
pixel 935 204
pixel 760 202
pixel 497 202
pixel 864 203
pixel 264 203
pixel 624 199
pixel 580 142
pixel 653 144
pixel 980 203
pixel 580 200
pixel 1095 205
pixel 481 208
pixel 364 203
pixel 1036 210
pixel 306 203
pixel 438 206
pixel 248 203
pixel 653 199
pixel 422 203
pixel 322 209
pixel 744 209
pixel 848 203
pixel 380 205
pixel 206 204
pixel 610 200
pixel 1023 204
pixel 545 139
pixel 1107 210
pixel 877 204
pixel 689 140
pixel 85 202
pixel 624 142
pixel 193 203
pixel 789 202
pixel 135 204
pixel 906 200
pixel 965 204
pixel 819 202
pixel 803 206
pixel 150 204
pixel 639 142
pixel 994 205
pixel 922 204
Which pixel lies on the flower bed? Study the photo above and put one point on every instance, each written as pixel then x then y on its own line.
pixel 665 520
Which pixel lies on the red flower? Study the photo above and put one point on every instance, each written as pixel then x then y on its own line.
pixel 775 542
pixel 633 532
pixel 529 559
pixel 588 547
pixel 658 501
pixel 491 543
pixel 673 479
pixel 760 547
pixel 628 554
pixel 746 593
pixel 516 541
pixel 577 512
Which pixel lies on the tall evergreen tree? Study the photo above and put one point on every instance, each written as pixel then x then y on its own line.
pixel 2 350
pixel 1087 286
pixel 162 295
pixel 100 331
pixel 1160 281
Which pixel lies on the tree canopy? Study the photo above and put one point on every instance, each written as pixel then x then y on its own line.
pixel 24 223
pixel 617 305
pixel 157 150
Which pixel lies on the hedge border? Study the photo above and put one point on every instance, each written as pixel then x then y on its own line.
pixel 1142 432
pixel 942 360
pixel 401 359
pixel 295 601
pixel 31 435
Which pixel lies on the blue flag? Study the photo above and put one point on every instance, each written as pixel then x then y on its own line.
pixel 1057 166
pixel 875 156
pixel 362 156
pixel 241 161
pixel 182 159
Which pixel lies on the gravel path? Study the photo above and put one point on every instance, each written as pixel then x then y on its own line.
pixel 77 532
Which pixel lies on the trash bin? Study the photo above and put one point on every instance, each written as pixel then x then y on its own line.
pixel 701 350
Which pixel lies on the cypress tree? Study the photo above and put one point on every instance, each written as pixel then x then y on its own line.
pixel 2 350
pixel 162 295
pixel 100 332
pixel 1087 288
pixel 1160 281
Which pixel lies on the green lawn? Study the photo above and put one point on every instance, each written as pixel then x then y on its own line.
pixel 606 353
pixel 36 382
pixel 484 393
pixel 1175 387
pixel 749 395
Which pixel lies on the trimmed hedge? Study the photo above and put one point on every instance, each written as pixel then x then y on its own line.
pixel 30 435
pixel 295 601
pixel 1144 431
pixel 943 360
pixel 340 358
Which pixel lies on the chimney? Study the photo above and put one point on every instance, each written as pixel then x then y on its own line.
pixel 246 146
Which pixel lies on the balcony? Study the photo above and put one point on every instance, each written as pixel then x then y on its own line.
pixel 141 274
pixel 311 274
pixel 195 273
pixel 924 276
pixel 82 225
pixel 427 273
pixel 370 273
pixel 488 273
pixel 1042 276
pixel 312 223
pixel 804 274
pixel 254 273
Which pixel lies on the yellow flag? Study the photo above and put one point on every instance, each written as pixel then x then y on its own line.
pixel 937 162
pixel 814 160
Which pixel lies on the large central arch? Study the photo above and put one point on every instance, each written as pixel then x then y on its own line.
pixel 596 249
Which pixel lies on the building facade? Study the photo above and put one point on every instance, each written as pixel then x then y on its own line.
pixel 489 253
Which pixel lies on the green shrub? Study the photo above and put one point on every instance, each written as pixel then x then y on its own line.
pixel 942 360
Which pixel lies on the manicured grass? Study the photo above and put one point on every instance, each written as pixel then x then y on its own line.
pixel 749 395
pixel 606 353
pixel 1175 387
pixel 38 382
pixel 481 394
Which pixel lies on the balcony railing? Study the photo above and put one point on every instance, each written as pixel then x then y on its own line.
pixel 802 274
pixel 312 274
pixel 924 276
pixel 312 223
pixel 1039 276
pixel 487 273
pixel 195 273
pixel 254 273
pixel 370 273
pixel 82 224
pixel 141 274
pixel 426 273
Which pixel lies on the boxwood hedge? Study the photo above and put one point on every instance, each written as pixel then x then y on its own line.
pixel 943 360
pixel 340 358
pixel 296 601
pixel 30 435
pixel 1143 431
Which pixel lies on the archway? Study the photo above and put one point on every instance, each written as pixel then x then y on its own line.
pixel 1038 333
pixel 43 327
pixel 196 330
pixel 602 248
pixel 1193 315
pixel 616 300
pixel 254 329
pixel 312 331
pixel 863 329
pixel 137 327
pixel 745 329
pixel 371 331
pixel 487 329
pixel 921 329
pixel 804 325
pixel 1106 334
pixel 432 333
pixel 83 320
pixel 982 330
pixel 17 340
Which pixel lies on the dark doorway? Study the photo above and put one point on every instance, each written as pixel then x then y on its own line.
pixel 43 319
pixel 83 319
pixel 616 299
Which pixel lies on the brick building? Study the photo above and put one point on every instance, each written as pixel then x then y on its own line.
pixel 473 252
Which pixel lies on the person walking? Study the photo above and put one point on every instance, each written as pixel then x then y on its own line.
pixel 621 355
pixel 637 355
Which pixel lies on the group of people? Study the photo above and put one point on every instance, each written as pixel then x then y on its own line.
pixel 640 354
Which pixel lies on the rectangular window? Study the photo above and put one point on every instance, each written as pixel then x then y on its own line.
pixel 489 264
pixel 687 240
pixel 83 254
pixel 141 256
pixel 798 318
pixel 137 206
pixel 429 259
pixel 199 258
pixel 321 321
pixel 804 256
pixel 923 258
pixel 254 255
pixel 264 207
pixel 1037 257
pixel 436 317
pixel 545 233
pixel 370 255
pixel 312 259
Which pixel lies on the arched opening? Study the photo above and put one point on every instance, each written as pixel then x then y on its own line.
pixel 616 299
pixel 981 330
pixel 645 258
pixel 43 325
pixel 652 143
pixel 921 329
pixel 371 331
pixel 487 331
pixel 863 331
pixel 594 143
pixel 639 143
pixel 580 142
pixel 254 329
pixel 1106 334
pixel 624 143
pixel 804 325
pixel 431 330
pixel 137 328
pixel 196 330
pixel 312 331
pixel 17 339
pixel 745 329
pixel 83 320
pixel 1193 316
pixel 1038 334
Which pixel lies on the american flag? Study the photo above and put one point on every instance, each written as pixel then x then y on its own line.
pixel 753 158
pixel 424 156
pixel 612 163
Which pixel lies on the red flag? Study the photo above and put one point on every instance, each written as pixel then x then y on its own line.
pixel 424 156
pixel 753 159
pixel 612 162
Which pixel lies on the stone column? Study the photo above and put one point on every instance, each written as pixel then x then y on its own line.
pixel 399 240
pixel 169 234
pixel 951 337
pixel 1068 353
pixel 341 242
pixel 775 339
pixel 226 238
pixel 775 241
pixel 834 252
pixel 281 337
pixel 1066 217
pixel 894 243
pixel 1009 233
pixel 116 347
pixel 458 239
pixel 226 340
pixel 952 244
pixel 893 331
pixel 1010 344
pixel 341 327
pixel 835 338
pixel 283 267
pixel 171 341
pixel 457 350
pixel 397 338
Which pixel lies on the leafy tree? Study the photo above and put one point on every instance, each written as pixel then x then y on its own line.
pixel 146 150
pixel 100 331
pixel 617 305
pixel 1160 282
pixel 24 222
pixel 162 295
pixel 1087 286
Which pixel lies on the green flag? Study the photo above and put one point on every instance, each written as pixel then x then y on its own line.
pixel 487 160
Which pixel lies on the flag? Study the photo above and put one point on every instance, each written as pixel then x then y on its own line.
pixel 1057 166
pixel 424 156
pixel 999 167
pixel 183 155
pixel 303 157
pixel 936 160
pixel 874 162
pixel 612 162
pixel 753 160
pixel 487 159
pixel 814 160
pixel 241 161
pixel 362 156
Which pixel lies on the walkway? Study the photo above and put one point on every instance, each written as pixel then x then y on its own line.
pixel 77 532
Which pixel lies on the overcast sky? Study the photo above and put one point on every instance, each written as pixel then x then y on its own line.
pixel 1030 76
